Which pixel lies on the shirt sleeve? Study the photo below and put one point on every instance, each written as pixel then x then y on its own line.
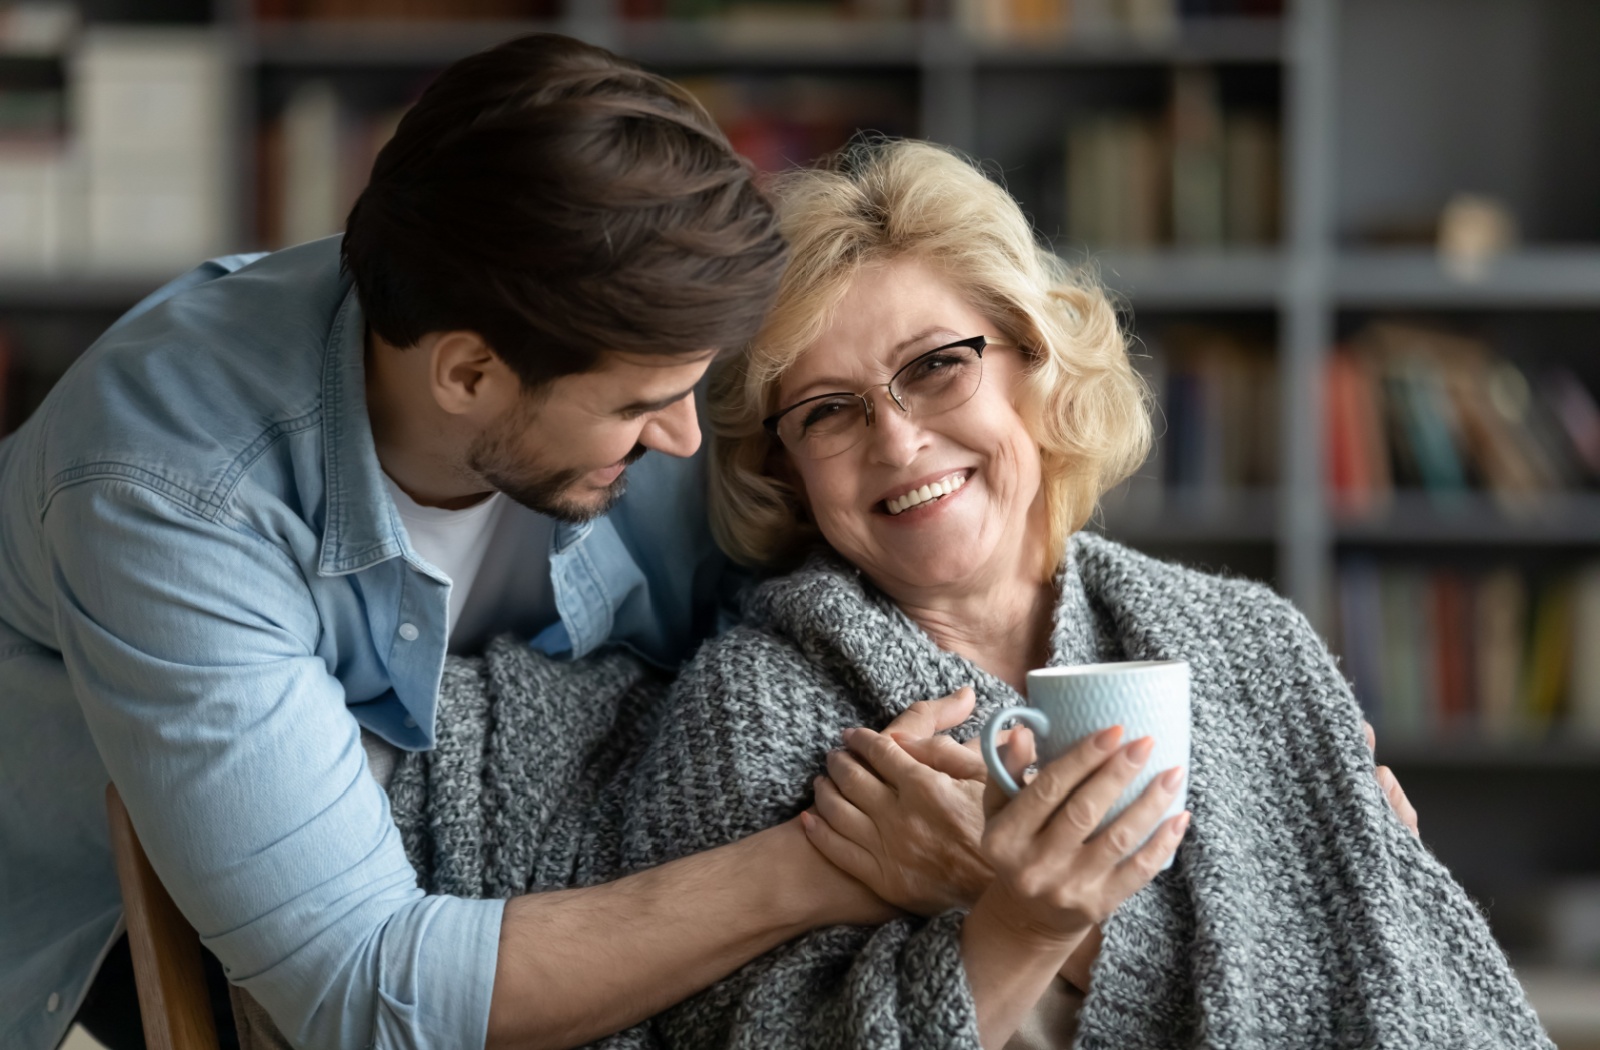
pixel 192 646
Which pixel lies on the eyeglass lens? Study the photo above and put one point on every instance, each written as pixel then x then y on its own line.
pixel 935 382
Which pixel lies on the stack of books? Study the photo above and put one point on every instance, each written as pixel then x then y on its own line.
pixel 1145 19
pixel 1218 392
pixel 1194 177
pixel 782 122
pixel 1411 406
pixel 1496 655
pixel 404 10
pixel 314 160
pixel 770 10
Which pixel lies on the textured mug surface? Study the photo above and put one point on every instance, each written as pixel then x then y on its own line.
pixel 1065 704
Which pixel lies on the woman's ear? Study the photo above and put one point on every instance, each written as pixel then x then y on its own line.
pixel 780 467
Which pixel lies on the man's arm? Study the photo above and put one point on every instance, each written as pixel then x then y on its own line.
pixel 575 965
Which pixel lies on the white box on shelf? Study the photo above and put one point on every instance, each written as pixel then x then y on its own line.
pixel 152 111
pixel 152 221
pixel 140 92
pixel 32 208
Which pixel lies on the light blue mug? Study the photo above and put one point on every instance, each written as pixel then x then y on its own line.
pixel 1065 704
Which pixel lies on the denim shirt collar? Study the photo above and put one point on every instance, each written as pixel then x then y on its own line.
pixel 361 529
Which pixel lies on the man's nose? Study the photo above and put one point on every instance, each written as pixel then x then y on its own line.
pixel 675 430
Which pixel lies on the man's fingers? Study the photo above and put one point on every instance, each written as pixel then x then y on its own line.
pixel 927 717
pixel 946 756
pixel 1397 799
pixel 1372 737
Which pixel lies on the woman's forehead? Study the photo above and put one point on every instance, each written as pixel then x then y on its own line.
pixel 892 312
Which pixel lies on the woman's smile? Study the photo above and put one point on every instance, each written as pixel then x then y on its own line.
pixel 925 494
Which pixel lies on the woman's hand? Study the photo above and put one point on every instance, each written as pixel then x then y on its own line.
pixel 906 820
pixel 1055 875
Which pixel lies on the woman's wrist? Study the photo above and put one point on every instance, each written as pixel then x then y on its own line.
pixel 1009 965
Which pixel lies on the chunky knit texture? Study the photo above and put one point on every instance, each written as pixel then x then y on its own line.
pixel 1300 912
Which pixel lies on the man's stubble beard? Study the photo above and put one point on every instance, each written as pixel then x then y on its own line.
pixel 493 457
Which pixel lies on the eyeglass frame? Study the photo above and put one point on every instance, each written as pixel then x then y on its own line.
pixel 977 343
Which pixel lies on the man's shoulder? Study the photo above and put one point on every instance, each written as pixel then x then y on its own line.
pixel 193 383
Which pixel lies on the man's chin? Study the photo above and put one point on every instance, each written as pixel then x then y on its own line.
pixel 574 503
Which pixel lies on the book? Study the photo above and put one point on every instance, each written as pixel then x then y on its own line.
pixel 1500 613
pixel 1545 675
pixel 1585 682
pixel 1198 218
pixel 1252 174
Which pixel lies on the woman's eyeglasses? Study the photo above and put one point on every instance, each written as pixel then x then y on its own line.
pixel 944 378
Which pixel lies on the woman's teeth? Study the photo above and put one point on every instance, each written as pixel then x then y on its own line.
pixel 942 487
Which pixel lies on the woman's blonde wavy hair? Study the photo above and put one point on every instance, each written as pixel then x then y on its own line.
pixel 879 200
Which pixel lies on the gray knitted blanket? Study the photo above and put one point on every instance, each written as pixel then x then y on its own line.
pixel 1300 912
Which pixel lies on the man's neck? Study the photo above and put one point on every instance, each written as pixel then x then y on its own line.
pixel 413 440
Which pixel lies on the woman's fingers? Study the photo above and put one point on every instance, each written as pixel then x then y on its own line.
pixel 944 755
pixel 845 855
pixel 1369 735
pixel 1133 825
pixel 927 717
pixel 844 817
pixel 857 781
pixel 1038 802
pixel 1128 877
pixel 1082 812
pixel 883 756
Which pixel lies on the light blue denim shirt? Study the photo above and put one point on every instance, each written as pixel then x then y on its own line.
pixel 205 591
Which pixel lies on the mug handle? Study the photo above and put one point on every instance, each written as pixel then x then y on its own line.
pixel 1031 717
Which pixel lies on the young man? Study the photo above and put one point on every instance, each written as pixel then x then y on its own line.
pixel 245 529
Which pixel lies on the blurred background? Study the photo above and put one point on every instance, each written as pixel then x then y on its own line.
pixel 1357 241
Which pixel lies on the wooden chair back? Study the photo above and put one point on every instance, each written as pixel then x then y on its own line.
pixel 173 997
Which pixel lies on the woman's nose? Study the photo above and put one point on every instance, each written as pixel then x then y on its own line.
pixel 894 437
pixel 674 430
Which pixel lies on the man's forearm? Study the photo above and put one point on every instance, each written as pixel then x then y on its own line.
pixel 575 965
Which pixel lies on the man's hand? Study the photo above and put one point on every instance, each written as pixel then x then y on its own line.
pixel 1391 785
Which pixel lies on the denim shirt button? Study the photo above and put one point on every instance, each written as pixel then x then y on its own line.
pixel 52 1004
pixel 410 723
pixel 408 631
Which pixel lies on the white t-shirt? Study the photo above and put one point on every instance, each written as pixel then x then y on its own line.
pixel 488 550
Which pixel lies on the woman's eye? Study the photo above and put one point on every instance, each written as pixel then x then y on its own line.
pixel 933 365
pixel 822 412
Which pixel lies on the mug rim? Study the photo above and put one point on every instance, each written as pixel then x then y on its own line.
pixel 1114 667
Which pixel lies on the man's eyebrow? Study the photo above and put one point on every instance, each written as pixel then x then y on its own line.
pixel 641 407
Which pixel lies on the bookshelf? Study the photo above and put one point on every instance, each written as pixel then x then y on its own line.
pixel 1381 111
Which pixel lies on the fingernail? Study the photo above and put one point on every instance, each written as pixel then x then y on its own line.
pixel 1139 750
pixel 1181 824
pixel 1107 739
pixel 1172 778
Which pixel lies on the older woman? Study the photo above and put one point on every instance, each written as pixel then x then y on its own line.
pixel 926 421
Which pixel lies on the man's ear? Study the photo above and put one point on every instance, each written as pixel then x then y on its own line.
pixel 466 377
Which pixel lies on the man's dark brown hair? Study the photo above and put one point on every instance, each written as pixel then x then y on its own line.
pixel 562 202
